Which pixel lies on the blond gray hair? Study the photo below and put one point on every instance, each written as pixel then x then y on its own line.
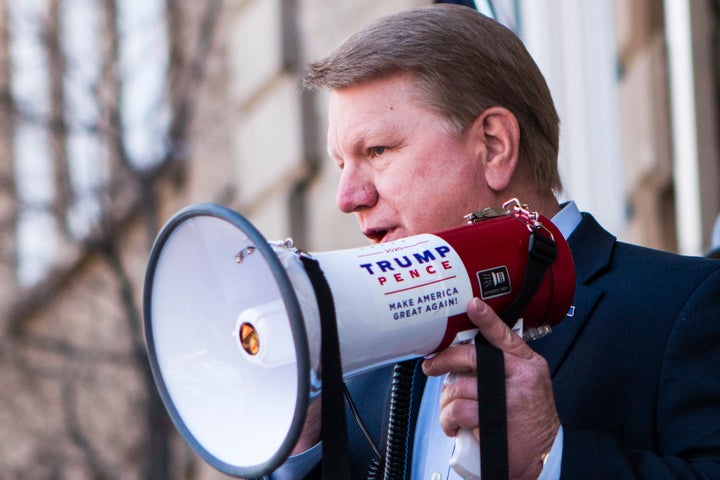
pixel 463 62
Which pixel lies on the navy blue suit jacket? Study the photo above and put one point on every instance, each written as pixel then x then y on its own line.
pixel 636 369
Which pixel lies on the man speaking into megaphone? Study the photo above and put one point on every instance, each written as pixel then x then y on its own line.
pixel 438 112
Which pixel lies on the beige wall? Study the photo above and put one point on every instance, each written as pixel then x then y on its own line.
pixel 646 117
pixel 257 165
pixel 645 123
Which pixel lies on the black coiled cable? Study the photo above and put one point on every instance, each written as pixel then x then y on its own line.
pixel 376 469
pixel 394 465
pixel 399 421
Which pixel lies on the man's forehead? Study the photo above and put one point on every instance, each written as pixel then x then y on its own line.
pixel 357 115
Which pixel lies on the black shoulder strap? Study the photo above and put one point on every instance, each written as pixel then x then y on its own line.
pixel 492 403
pixel 542 252
pixel 336 458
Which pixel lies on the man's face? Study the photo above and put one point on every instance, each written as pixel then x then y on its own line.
pixel 403 173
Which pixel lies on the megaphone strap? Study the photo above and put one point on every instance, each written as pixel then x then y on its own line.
pixel 336 458
pixel 542 252
pixel 492 410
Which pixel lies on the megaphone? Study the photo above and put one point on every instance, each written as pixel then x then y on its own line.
pixel 232 321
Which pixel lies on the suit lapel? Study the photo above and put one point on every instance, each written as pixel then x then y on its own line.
pixel 555 346
pixel 591 248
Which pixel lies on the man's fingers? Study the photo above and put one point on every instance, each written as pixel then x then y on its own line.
pixel 457 358
pixel 460 386
pixel 460 413
pixel 495 330
pixel 461 358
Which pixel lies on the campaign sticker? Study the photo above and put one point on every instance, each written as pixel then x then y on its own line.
pixel 412 280
pixel 494 282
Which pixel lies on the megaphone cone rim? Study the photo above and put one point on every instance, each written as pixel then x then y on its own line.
pixel 294 311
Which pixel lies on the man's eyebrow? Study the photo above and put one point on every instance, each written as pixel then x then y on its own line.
pixel 366 137
pixel 370 136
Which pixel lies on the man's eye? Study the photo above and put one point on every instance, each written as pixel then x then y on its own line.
pixel 377 151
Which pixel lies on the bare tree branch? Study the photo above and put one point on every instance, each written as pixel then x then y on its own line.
pixel 157 457
pixel 63 194
pixel 130 195
pixel 8 193
pixel 75 429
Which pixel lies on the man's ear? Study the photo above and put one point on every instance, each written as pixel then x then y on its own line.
pixel 499 134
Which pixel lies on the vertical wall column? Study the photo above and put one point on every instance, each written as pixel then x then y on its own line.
pixel 693 100
pixel 573 43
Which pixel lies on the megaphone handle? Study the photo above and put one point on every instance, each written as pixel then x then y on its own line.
pixel 489 458
pixel 465 459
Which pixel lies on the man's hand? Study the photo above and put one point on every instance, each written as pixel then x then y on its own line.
pixel 310 435
pixel 533 422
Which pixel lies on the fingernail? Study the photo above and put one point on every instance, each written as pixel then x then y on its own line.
pixel 427 363
pixel 479 305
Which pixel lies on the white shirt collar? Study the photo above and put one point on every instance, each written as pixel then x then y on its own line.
pixel 567 219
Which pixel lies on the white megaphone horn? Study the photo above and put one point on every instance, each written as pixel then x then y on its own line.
pixel 232 320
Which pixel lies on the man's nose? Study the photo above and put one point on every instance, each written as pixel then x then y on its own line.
pixel 356 189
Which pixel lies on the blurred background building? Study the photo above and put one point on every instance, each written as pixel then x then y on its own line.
pixel 115 114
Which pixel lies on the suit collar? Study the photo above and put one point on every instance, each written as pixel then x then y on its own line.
pixel 591 247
